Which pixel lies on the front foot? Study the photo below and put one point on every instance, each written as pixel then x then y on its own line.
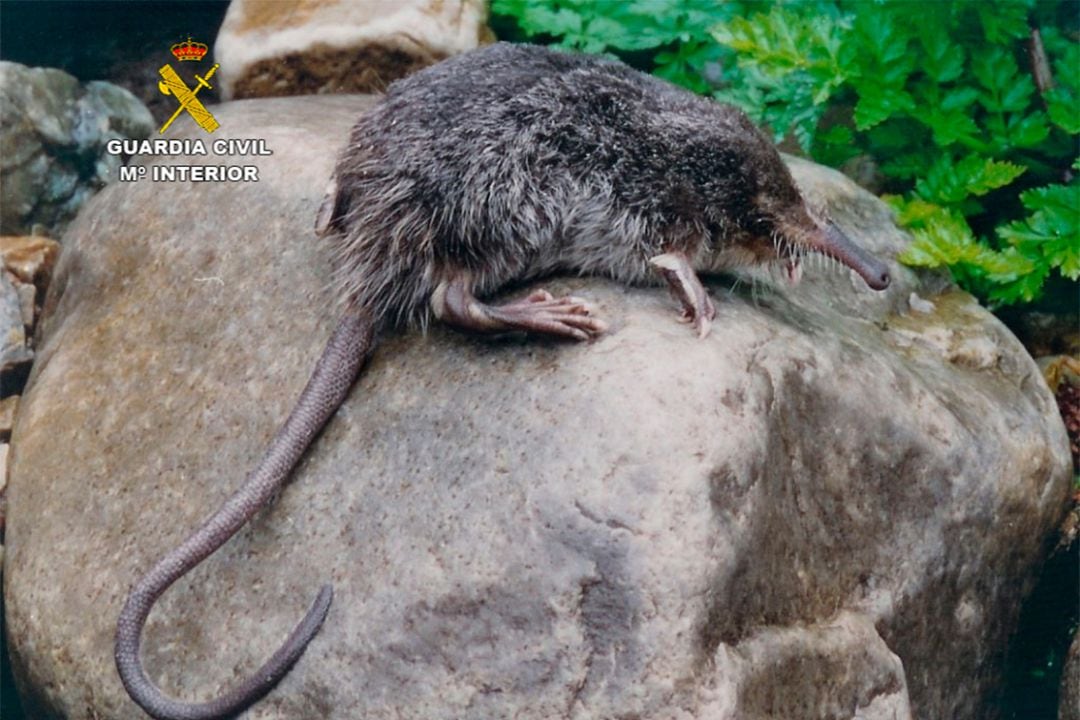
pixel 697 306
pixel 700 317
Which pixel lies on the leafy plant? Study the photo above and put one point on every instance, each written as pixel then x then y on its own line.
pixel 674 32
pixel 978 155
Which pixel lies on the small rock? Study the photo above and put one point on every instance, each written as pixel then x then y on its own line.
pixel 920 305
pixel 27 296
pixel 291 47
pixel 108 112
pixel 864 170
pixel 1063 381
pixel 45 97
pixel 13 349
pixel 30 258
pixel 52 134
pixel 1059 368
pixel 8 406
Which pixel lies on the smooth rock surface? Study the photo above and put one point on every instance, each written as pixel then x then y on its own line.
pixel 53 133
pixel 829 508
pixel 307 47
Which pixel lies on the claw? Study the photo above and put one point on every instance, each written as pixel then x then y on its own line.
pixel 697 307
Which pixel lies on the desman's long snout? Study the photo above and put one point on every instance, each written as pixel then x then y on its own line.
pixel 837 245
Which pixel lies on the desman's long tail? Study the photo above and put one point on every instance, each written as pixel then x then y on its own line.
pixel 335 372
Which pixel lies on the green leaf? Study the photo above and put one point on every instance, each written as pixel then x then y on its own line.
pixel 607 32
pixel 1004 266
pixel 635 25
pixel 959 98
pixel 837 135
pixel 941 238
pixel 792 110
pixel 881 47
pixel 1003 21
pixel 911 164
pixel 1027 131
pixel 947 125
pixel 1067 67
pixel 896 135
pixel 996 70
pixel 1064 109
pixel 1063 200
pixel 876 104
pixel 1016 95
pixel 984 175
pixel 686 66
pixel 950 182
pixel 540 17
pixel 782 41
pixel 1023 287
pixel 944 59
pixel 835 146
pixel 1052 230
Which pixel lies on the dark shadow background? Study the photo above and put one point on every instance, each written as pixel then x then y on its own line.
pixel 121 41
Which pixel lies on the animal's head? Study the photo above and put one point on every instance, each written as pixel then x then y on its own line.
pixel 789 231
pixel 767 219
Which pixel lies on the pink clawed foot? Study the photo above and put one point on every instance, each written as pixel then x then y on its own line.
pixel 542 312
pixel 702 320
pixel 538 312
pixel 697 306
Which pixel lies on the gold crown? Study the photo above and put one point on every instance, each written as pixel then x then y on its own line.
pixel 189 50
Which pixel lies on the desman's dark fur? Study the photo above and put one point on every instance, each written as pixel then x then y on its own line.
pixel 515 161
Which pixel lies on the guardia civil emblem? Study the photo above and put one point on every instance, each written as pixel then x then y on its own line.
pixel 173 84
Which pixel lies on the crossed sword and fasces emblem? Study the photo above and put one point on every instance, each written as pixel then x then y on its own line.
pixel 172 84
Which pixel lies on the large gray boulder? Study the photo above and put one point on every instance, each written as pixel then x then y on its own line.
pixel 829 508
